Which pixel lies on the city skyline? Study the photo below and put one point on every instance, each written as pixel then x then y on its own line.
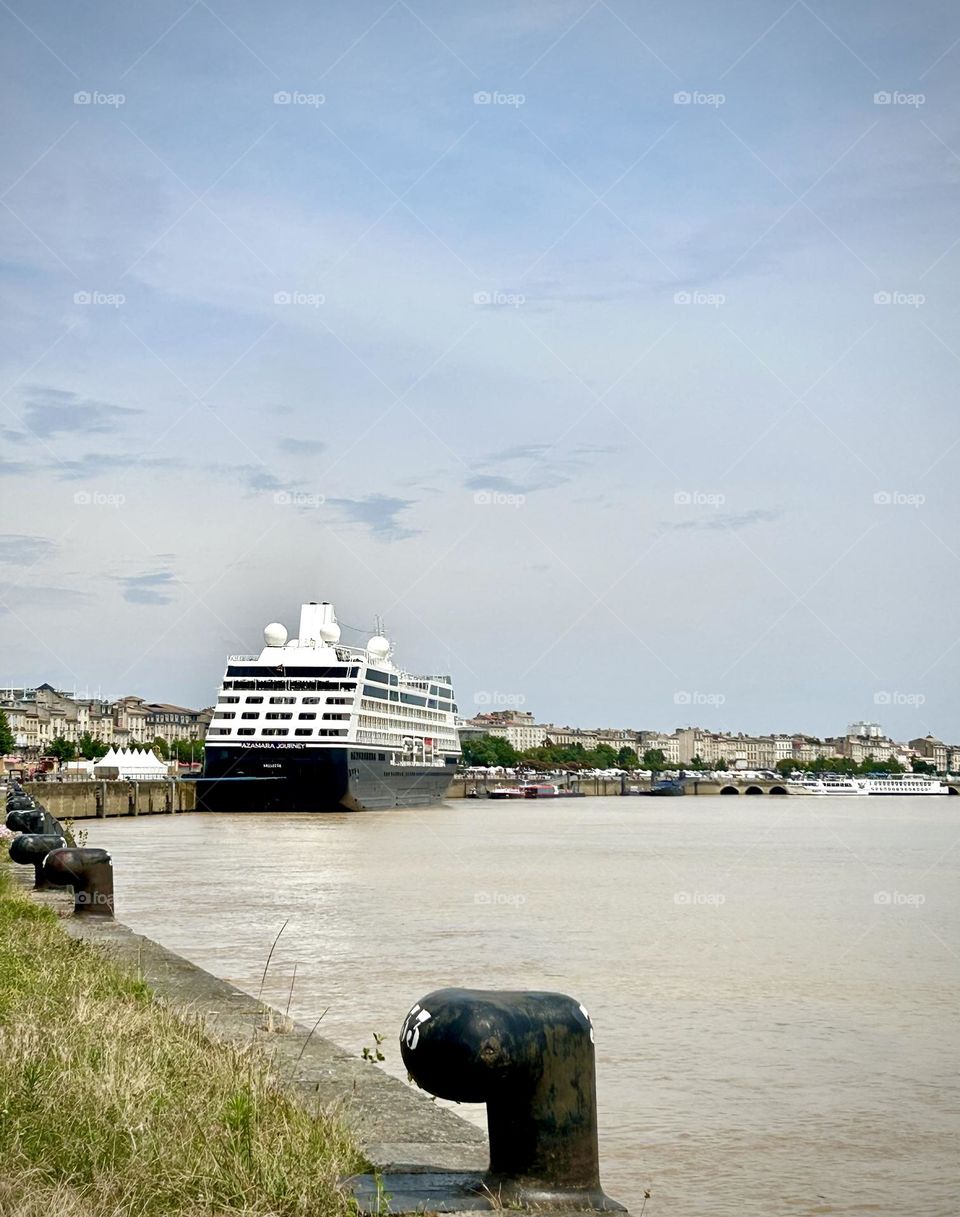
pixel 607 353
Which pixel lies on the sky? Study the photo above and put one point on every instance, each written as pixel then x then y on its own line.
pixel 608 351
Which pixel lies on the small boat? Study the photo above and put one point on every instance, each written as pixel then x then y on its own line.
pixel 535 790
pixel 667 787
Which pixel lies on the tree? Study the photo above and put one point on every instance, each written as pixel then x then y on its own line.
pixel 188 750
pixel 721 765
pixel 626 758
pixel 604 756
pixel 62 749
pixel 698 763
pixel 919 766
pixel 7 742
pixel 160 747
pixel 489 750
pixel 91 747
pixel 654 759
pixel 785 766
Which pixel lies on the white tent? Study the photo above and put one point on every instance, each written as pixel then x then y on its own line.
pixel 130 763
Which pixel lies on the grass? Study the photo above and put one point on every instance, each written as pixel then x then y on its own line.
pixel 113 1105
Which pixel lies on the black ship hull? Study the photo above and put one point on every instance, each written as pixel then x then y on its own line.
pixel 289 778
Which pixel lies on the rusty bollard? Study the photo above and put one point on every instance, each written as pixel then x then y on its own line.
pixel 30 849
pixel 530 1057
pixel 89 872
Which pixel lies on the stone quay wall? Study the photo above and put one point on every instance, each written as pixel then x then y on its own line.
pixel 97 800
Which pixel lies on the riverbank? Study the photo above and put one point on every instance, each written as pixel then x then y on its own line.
pixel 136 1083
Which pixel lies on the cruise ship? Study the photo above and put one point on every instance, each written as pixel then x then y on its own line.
pixel 311 725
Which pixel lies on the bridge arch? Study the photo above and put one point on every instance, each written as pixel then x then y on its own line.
pixel 729 790
pixel 778 790
pixel 753 790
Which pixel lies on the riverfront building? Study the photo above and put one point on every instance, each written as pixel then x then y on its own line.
pixel 863 741
pixel 38 716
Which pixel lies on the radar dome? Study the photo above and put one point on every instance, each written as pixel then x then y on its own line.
pixel 378 647
pixel 330 632
pixel 275 634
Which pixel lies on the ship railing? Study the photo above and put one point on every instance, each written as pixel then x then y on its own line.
pixel 241 658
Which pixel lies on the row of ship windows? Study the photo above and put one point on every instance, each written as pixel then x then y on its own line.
pixel 277 731
pixel 281 714
pixel 308 686
pixel 289 701
pixel 373 720
pixel 405 711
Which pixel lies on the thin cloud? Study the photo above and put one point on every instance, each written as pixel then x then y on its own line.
pixel 725 521
pixel 18 549
pixel 152 587
pixel 50 412
pixel 378 513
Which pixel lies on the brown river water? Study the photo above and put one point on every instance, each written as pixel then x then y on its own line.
pixel 774 982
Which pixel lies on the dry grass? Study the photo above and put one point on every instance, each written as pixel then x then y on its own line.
pixel 111 1105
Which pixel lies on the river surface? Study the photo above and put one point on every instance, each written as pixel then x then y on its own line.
pixel 774 982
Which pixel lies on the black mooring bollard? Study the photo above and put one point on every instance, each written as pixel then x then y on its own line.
pixel 31 820
pixel 20 802
pixel 89 872
pixel 30 849
pixel 530 1057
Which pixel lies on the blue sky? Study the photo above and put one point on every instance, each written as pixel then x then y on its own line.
pixel 609 351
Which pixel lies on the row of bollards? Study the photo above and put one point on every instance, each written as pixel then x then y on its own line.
pixel 529 1056
pixel 42 844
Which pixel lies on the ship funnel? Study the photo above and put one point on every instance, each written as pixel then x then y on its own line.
pixel 318 625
